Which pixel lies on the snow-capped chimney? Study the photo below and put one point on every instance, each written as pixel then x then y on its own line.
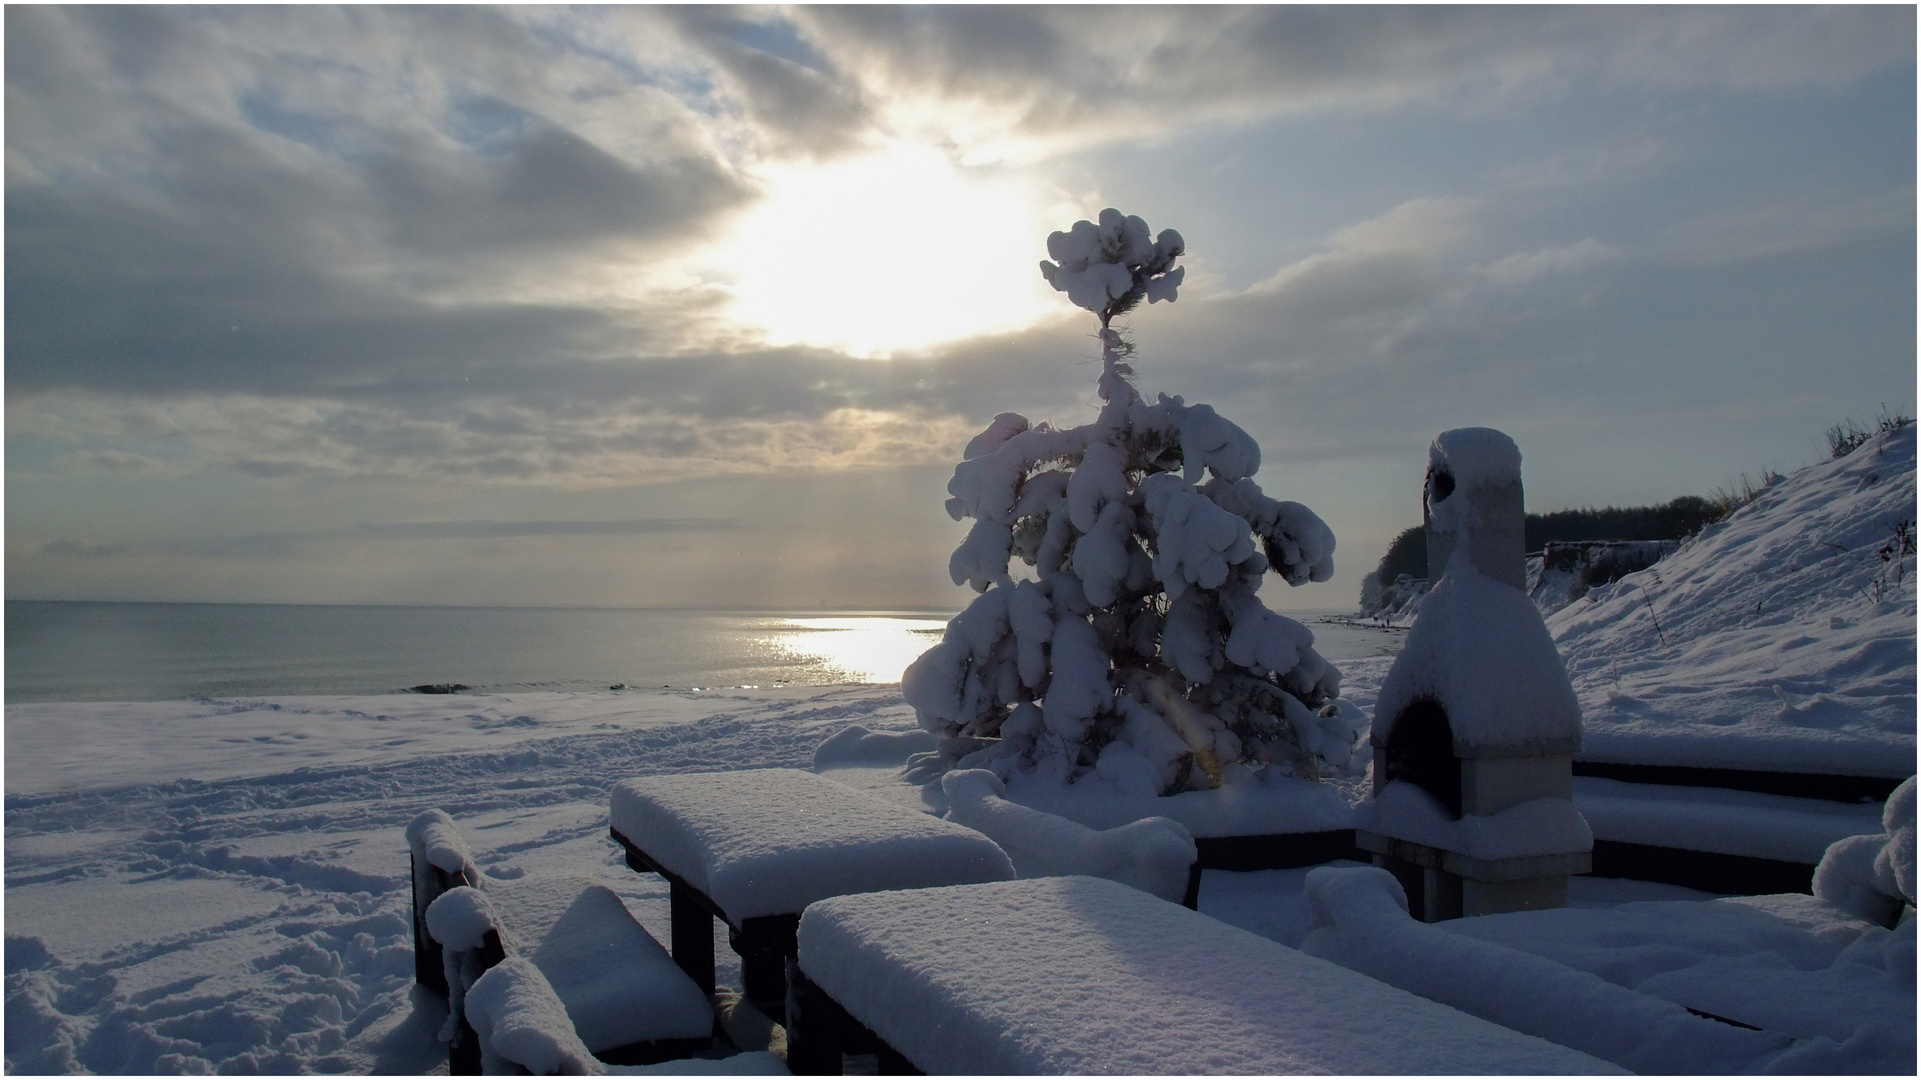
pixel 1473 495
pixel 1476 725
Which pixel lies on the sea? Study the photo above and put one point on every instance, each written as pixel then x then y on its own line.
pixel 100 651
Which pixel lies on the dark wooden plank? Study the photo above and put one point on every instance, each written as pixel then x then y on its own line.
pixel 1277 851
pixel 1191 899
pixel 764 946
pixel 1833 787
pixel 691 915
pixel 691 930
pixel 1708 871
pixel 655 1051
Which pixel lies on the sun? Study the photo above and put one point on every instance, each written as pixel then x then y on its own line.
pixel 890 252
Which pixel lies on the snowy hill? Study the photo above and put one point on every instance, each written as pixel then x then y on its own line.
pixel 1781 639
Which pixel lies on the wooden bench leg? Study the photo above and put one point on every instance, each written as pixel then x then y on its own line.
pixel 692 933
pixel 813 1035
pixel 463 1054
pixel 427 969
pixel 764 945
pixel 1191 899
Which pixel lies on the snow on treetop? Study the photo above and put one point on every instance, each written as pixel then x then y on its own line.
pixel 1476 457
pixel 1110 267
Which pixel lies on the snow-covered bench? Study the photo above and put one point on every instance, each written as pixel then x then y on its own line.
pixel 1275 823
pixel 1079 975
pixel 754 848
pixel 627 1000
pixel 1718 839
pixel 1153 854
pixel 521 1026
pixel 1785 983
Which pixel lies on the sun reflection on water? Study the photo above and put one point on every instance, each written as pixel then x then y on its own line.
pixel 868 649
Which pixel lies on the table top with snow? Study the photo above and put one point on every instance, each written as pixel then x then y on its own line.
pixel 771 841
pixel 1079 975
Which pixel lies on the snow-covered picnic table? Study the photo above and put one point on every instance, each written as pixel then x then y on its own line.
pixel 755 847
pixel 1078 975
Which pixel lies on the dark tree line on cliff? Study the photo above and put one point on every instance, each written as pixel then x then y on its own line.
pixel 1676 520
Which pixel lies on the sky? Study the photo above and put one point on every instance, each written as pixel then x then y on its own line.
pixel 681 306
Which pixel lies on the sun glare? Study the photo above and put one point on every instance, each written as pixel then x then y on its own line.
pixel 865 649
pixel 887 253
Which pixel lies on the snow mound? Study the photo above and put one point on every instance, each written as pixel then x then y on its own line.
pixel 1780 639
pixel 1872 875
pixel 855 745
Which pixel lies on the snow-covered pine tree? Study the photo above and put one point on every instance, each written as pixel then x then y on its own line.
pixel 1139 648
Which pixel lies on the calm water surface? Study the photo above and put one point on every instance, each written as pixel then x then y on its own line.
pixel 66 651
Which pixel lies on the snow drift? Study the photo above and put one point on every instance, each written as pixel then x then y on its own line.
pixel 1780 639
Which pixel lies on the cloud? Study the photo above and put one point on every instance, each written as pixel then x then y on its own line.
pixel 799 103
pixel 1077 75
pixel 78 549
pixel 239 209
pixel 436 244
pixel 1524 266
pixel 494 529
pixel 1379 266
pixel 1804 223
pixel 277 544
pixel 109 461
pixel 587 445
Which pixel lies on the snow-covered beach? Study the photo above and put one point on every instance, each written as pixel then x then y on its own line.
pixel 221 884
pixel 256 920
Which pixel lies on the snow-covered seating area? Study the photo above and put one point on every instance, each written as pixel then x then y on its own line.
pixel 1153 854
pixel 522 1027
pixel 755 847
pixel 1717 839
pixel 1079 975
pixel 1783 983
pixel 1253 821
pixel 624 997
pixel 438 860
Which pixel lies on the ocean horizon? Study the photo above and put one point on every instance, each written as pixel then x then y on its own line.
pixel 96 650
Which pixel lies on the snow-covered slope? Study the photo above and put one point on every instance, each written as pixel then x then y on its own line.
pixel 1780 639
